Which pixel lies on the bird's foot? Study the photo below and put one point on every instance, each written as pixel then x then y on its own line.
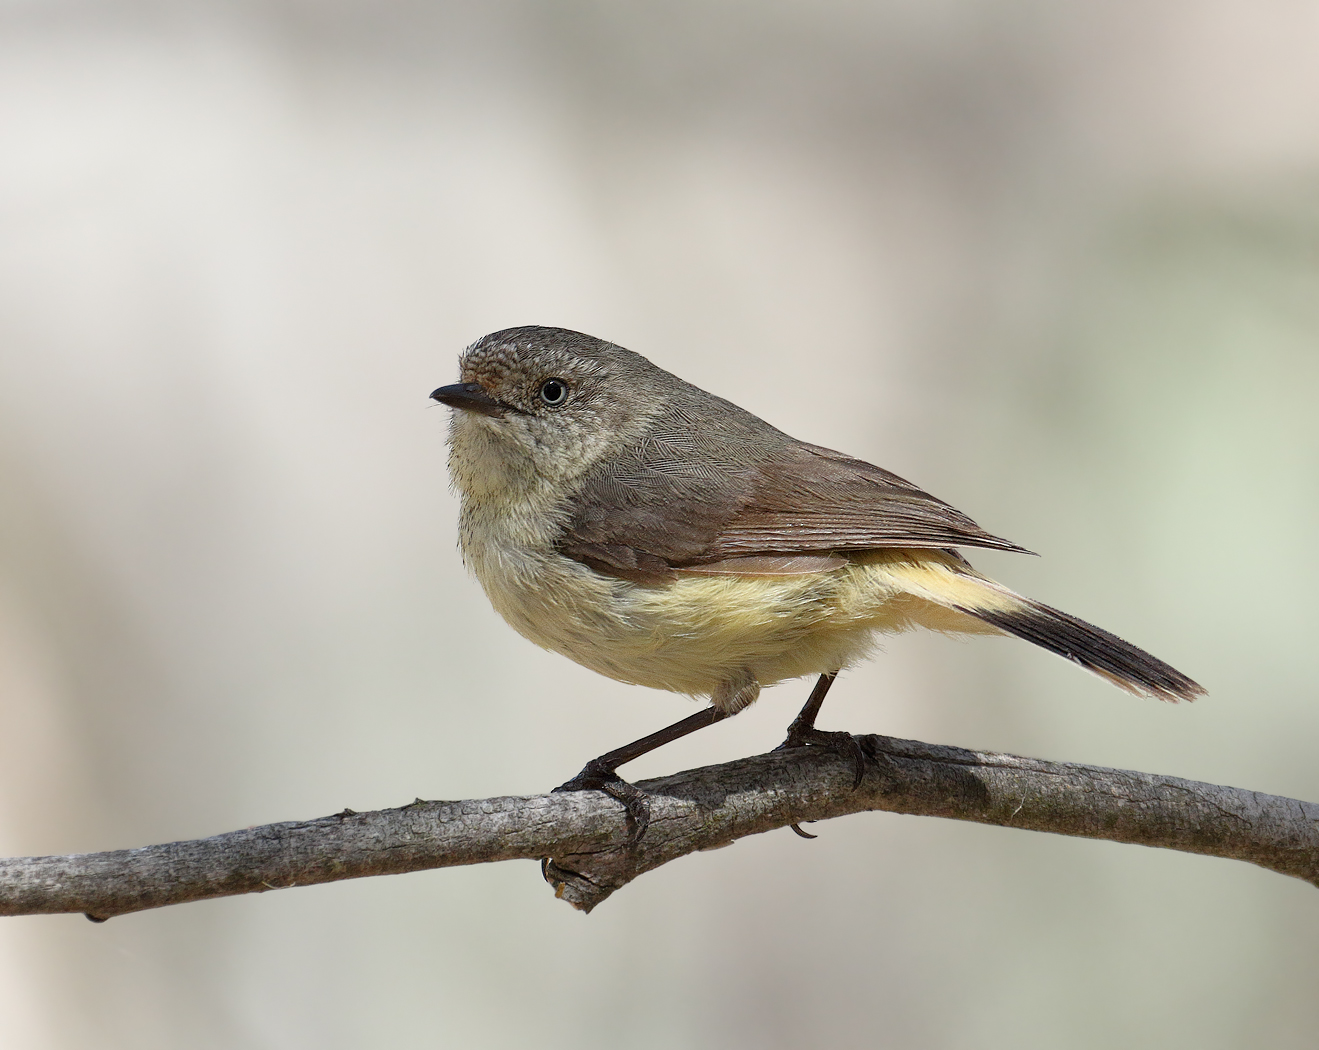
pixel 843 744
pixel 597 776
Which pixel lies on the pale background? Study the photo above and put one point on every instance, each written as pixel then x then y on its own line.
pixel 1057 263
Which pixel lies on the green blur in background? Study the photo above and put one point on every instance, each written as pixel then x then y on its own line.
pixel 1058 264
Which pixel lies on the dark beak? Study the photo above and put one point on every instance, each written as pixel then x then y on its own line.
pixel 470 397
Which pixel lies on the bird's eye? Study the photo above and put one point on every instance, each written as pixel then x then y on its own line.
pixel 554 391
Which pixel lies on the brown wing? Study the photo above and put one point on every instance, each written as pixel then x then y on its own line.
pixel 713 482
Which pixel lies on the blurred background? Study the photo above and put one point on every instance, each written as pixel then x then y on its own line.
pixel 1059 264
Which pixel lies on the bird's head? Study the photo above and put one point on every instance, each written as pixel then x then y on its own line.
pixel 544 404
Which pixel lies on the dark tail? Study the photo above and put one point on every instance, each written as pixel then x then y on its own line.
pixel 1093 648
pixel 947 580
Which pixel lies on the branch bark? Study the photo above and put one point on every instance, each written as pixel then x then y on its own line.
pixel 582 837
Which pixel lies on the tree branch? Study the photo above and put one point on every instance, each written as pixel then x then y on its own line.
pixel 586 832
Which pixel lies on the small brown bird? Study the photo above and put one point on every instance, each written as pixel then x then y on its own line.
pixel 665 537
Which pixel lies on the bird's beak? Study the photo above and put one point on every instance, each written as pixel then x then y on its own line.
pixel 470 397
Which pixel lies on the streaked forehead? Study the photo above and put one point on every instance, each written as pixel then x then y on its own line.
pixel 519 351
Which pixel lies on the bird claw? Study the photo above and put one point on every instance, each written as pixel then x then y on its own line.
pixel 843 744
pixel 596 776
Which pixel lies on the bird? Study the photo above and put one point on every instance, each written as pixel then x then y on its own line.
pixel 665 537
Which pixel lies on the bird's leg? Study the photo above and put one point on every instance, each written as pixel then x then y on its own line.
pixel 599 773
pixel 805 720
pixel 802 733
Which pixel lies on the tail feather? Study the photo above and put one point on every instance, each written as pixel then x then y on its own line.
pixel 1093 648
pixel 948 581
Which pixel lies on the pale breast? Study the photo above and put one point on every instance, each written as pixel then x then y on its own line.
pixel 688 635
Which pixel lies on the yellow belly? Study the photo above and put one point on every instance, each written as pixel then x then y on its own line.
pixel 692 633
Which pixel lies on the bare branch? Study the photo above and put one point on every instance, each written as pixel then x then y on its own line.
pixel 586 833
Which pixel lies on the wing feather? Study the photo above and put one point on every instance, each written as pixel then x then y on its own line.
pixel 711 482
